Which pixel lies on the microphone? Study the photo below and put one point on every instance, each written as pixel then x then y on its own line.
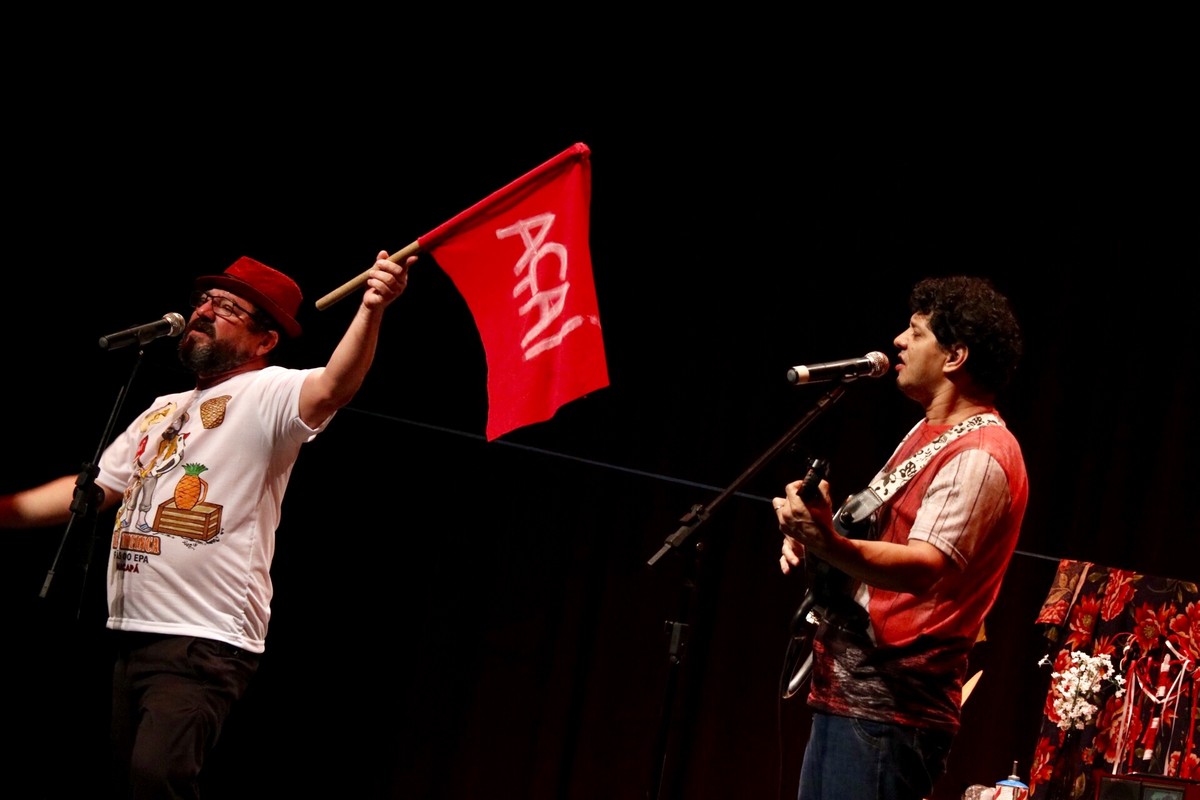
pixel 171 324
pixel 872 365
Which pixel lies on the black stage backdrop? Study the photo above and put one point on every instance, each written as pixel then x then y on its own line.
pixel 460 619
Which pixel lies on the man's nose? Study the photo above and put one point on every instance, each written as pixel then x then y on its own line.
pixel 212 313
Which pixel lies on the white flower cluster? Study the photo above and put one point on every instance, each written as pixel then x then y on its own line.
pixel 1077 688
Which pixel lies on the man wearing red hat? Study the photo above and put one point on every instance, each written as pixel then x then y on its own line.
pixel 200 478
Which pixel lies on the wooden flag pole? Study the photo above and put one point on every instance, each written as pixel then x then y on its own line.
pixel 352 284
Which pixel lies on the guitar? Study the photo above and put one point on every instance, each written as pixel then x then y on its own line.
pixel 827 598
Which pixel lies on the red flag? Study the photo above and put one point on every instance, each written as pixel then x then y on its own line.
pixel 521 259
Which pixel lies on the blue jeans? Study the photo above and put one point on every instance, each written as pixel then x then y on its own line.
pixel 858 759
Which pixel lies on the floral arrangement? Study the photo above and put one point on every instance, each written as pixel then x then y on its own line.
pixel 1077 687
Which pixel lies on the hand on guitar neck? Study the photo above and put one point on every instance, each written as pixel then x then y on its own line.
pixel 828 597
pixel 796 525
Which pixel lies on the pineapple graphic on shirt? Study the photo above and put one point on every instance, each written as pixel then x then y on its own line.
pixel 191 488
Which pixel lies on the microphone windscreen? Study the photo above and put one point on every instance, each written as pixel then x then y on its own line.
pixel 178 323
pixel 879 364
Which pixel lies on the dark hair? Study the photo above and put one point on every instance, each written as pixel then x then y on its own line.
pixel 968 310
pixel 265 322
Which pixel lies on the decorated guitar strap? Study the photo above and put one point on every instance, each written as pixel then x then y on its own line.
pixel 861 506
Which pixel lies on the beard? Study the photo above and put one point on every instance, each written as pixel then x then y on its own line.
pixel 208 356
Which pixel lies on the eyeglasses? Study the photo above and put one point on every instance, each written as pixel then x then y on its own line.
pixel 221 306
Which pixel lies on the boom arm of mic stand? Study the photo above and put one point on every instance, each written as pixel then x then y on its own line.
pixel 688 525
pixel 88 496
pixel 699 513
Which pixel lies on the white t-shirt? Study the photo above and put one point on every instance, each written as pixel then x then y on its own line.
pixel 203 475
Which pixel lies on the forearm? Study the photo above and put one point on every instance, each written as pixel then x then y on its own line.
pixel 328 389
pixel 41 506
pixel 912 567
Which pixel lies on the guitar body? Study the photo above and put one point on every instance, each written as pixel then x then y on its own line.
pixel 827 598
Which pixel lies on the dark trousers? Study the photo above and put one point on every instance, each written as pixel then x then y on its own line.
pixel 171 696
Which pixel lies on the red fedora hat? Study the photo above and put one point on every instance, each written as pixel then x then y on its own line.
pixel 269 289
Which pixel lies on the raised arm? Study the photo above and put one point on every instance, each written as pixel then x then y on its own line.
pixel 329 388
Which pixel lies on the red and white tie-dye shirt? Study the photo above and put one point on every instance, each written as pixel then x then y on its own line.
pixel 908 667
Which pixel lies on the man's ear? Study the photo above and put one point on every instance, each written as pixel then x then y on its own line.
pixel 268 342
pixel 956 356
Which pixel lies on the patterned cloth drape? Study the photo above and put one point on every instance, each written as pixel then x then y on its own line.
pixel 1150 627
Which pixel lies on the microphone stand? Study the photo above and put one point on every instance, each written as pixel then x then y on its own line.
pixel 88 497
pixel 689 523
